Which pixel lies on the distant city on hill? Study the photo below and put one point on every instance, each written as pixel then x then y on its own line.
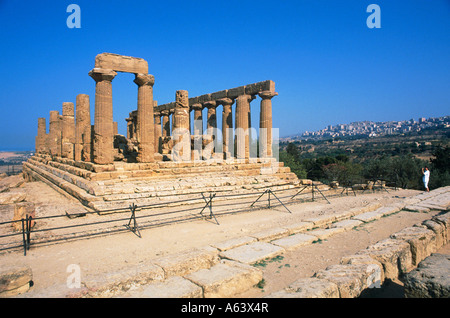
pixel 373 129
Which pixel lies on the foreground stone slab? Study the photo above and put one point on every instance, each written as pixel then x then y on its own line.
pixel 271 234
pixel 347 224
pixel 308 288
pixel 299 227
pixel 15 280
pixel 431 279
pixel 173 287
pixel 252 253
pixel 417 208
pixel 294 241
pixel 181 264
pixel 368 216
pixel 323 234
pixel 113 283
pixel 234 242
pixel 226 279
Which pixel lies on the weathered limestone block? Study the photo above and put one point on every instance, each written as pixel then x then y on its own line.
pixel 431 279
pixel 394 255
pixel 351 279
pixel 295 228
pixel 15 280
pixel 121 63
pixel 259 87
pixel 234 242
pixel 116 282
pixel 346 224
pixel 439 230
pixel 444 219
pixel 323 234
pixel 373 265
pixel 173 287
pixel 12 197
pixel 21 210
pixel 187 262
pixel 270 234
pixel 294 241
pixel 252 253
pixel 226 279
pixel 422 241
pixel 311 287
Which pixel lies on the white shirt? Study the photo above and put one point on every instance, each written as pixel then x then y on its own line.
pixel 426 175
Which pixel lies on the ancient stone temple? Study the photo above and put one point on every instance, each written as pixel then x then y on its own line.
pixel 166 151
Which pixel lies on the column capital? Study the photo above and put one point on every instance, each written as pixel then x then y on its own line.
pixel 164 112
pixel 225 101
pixel 197 106
pixel 246 97
pixel 156 113
pixel 144 79
pixel 267 94
pixel 101 74
pixel 210 104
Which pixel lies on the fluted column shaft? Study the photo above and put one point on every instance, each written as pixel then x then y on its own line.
pixel 227 126
pixel 211 123
pixel 103 143
pixel 54 140
pixel 68 130
pixel 158 132
pixel 165 123
pixel 83 128
pixel 145 118
pixel 181 150
pixel 265 124
pixel 41 136
pixel 242 126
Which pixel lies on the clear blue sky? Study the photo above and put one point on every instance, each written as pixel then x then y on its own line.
pixel 328 66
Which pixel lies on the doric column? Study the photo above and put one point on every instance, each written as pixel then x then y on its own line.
pixel 198 119
pixel 165 123
pixel 54 140
pixel 158 134
pixel 83 128
pixel 211 123
pixel 145 133
pixel 103 142
pixel 227 126
pixel 265 124
pixel 242 126
pixel 68 130
pixel 197 131
pixel 181 150
pixel 41 136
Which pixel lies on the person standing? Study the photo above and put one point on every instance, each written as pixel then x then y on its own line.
pixel 426 177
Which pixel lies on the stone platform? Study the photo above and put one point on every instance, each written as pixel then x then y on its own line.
pixel 118 185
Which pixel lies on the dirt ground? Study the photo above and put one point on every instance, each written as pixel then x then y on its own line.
pixel 111 253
